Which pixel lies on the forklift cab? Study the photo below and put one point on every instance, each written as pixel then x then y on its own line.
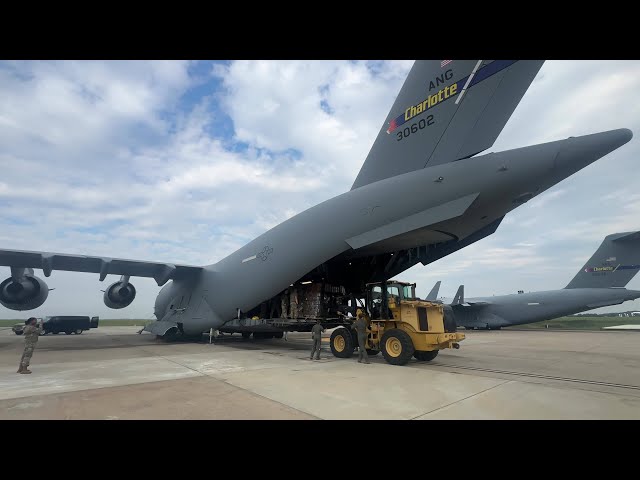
pixel 384 296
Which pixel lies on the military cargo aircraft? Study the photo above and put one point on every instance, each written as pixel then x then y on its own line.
pixel 599 283
pixel 423 192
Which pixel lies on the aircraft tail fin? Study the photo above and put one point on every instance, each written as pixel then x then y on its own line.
pixel 459 298
pixel 433 294
pixel 446 110
pixel 614 264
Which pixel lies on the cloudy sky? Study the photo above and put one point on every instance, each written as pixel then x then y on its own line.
pixel 185 162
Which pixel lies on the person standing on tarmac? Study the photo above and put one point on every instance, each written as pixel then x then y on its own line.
pixel 360 326
pixel 316 336
pixel 31 333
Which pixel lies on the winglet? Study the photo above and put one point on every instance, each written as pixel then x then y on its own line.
pixel 459 298
pixel 433 294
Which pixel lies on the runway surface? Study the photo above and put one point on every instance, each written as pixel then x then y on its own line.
pixel 114 373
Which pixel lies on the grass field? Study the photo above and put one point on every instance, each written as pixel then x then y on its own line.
pixel 581 323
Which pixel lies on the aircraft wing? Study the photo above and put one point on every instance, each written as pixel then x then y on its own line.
pixel 160 272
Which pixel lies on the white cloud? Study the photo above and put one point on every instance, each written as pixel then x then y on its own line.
pixel 277 105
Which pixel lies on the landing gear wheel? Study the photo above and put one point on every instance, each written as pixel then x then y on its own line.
pixel 397 347
pixel 372 353
pixel 246 335
pixel 426 356
pixel 341 343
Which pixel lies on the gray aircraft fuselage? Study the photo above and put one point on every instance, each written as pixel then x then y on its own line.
pixel 452 200
pixel 517 309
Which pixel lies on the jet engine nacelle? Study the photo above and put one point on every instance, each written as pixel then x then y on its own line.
pixel 25 294
pixel 119 294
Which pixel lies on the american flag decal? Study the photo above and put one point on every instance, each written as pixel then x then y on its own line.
pixel 393 124
pixel 445 62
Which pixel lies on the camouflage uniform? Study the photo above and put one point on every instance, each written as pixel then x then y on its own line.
pixel 316 335
pixel 360 326
pixel 31 333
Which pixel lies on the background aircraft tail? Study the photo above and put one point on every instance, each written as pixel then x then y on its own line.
pixel 446 110
pixel 614 264
pixel 433 294
pixel 459 298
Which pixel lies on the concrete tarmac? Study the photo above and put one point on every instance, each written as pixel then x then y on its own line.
pixel 114 373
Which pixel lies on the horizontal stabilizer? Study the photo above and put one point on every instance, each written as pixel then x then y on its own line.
pixel 626 237
pixel 446 211
pixel 433 294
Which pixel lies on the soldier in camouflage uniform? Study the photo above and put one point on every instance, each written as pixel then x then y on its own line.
pixel 360 326
pixel 316 335
pixel 31 333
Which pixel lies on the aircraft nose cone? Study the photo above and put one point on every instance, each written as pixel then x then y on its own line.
pixel 579 152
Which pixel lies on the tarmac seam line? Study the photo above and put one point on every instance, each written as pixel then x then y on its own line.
pixel 462 399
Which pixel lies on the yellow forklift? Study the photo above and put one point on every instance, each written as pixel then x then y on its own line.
pixel 400 325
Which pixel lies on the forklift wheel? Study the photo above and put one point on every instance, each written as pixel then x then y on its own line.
pixel 341 343
pixel 426 356
pixel 397 347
